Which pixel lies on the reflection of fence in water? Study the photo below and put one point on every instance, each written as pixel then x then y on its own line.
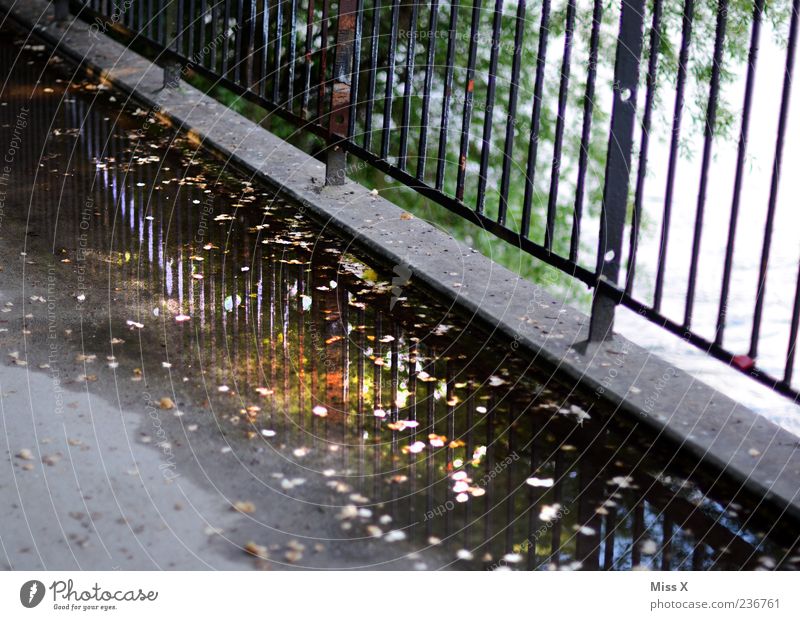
pixel 422 78
pixel 310 346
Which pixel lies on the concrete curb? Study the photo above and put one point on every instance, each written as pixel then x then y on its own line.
pixel 748 448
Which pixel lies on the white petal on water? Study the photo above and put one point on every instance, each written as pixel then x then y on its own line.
pixel 416 447
pixel 648 547
pixel 549 513
pixel 623 482
pixel 394 536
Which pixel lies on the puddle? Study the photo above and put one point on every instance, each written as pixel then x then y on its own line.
pixel 191 282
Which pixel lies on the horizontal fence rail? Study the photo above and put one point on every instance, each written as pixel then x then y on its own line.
pixel 547 124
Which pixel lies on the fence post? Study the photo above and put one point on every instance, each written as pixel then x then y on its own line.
pixel 617 174
pixel 172 69
pixel 339 121
pixel 61 10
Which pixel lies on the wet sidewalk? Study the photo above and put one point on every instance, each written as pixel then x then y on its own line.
pixel 196 376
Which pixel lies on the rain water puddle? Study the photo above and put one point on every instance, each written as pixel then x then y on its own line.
pixel 430 433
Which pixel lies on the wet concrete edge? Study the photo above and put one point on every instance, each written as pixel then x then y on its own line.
pixel 750 449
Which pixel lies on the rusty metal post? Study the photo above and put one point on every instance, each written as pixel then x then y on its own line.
pixel 339 121
pixel 172 69
pixel 61 10
pixel 618 166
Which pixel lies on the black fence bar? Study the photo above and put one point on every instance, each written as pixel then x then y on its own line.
pixel 426 89
pixel 588 108
pixel 710 125
pixel 563 91
pixel 620 144
pixel 752 59
pixel 508 145
pixel 775 182
pixel 674 148
pixel 417 71
pixel 536 114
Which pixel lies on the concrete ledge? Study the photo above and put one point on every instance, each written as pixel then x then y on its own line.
pixel 751 450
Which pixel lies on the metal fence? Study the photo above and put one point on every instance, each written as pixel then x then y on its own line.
pixel 299 352
pixel 457 102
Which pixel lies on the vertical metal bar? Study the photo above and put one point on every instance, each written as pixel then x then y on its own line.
pixel 711 121
pixel 179 26
pixel 755 35
pixel 389 93
pixel 373 73
pixel 511 117
pixel 251 43
pixel 141 15
pixel 666 545
pixel 213 34
pixel 323 60
pixel 558 497
pixel 412 44
pixel 356 72
pixel 276 72
pixel 641 171
pixel 563 91
pixel 488 110
pixel 172 72
pixel 638 533
pixel 608 537
pixel 161 26
pixel 238 43
pixel 191 26
pixel 339 121
pixel 586 130
pixel 308 60
pixel 225 36
pixel 441 156
pixel 426 90
pixel 201 40
pixel 683 59
pixel 291 53
pixel 617 173
pixel 469 88
pixel 152 21
pixel 61 10
pixel 775 182
pixel 262 78
pixel 533 140
pixel 793 329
